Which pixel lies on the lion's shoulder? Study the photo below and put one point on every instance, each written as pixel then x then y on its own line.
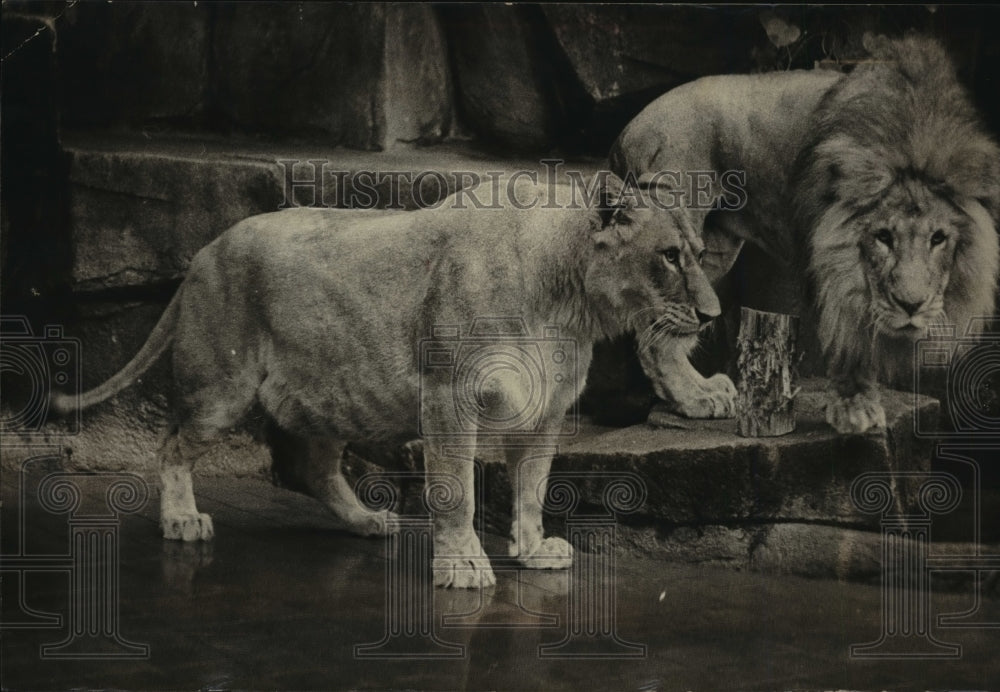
pixel 718 121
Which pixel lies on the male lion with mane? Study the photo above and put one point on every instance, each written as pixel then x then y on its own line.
pixel 317 316
pixel 880 186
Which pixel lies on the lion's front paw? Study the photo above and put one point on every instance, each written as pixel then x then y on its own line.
pixel 855 414
pixel 462 566
pixel 714 397
pixel 187 527
pixel 549 553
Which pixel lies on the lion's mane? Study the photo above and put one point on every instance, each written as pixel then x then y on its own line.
pixel 902 114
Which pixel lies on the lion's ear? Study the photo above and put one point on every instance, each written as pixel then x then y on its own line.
pixel 609 196
pixel 609 192
pixel 877 45
pixel 617 198
pixel 979 215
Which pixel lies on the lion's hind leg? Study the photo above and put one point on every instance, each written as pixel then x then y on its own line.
pixel 179 516
pixel 204 413
pixel 317 466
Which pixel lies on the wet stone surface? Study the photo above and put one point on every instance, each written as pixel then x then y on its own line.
pixel 280 600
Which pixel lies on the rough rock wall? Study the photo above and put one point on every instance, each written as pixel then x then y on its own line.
pixel 97 240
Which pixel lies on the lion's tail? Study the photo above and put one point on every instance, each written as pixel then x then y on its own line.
pixel 158 342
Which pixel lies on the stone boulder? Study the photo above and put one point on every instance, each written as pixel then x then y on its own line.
pixel 624 56
pixel 133 64
pixel 504 63
pixel 363 75
pixel 618 50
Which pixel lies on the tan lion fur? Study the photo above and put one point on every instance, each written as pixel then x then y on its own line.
pixel 832 160
pixel 318 316
pixel 900 121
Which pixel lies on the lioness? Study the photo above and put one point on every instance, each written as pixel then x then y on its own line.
pixel 880 185
pixel 318 316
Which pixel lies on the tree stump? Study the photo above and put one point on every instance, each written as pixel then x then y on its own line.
pixel 765 393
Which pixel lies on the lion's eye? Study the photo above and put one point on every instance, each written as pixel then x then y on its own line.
pixel 884 236
pixel 701 257
pixel 671 255
pixel 937 238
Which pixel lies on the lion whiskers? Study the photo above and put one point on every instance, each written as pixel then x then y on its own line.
pixel 653 333
pixel 675 320
pixel 633 321
pixel 891 320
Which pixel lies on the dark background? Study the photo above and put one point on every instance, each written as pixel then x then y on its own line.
pixel 519 80
pixel 524 79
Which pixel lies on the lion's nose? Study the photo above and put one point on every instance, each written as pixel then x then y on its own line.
pixel 704 318
pixel 910 308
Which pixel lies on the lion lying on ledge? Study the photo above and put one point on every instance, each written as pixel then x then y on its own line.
pixel 880 186
pixel 319 316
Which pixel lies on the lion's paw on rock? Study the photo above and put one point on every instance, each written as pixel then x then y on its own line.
pixel 465 572
pixel 714 397
pixel 187 527
pixel 855 414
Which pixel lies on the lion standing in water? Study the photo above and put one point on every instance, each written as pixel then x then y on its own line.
pixel 318 316
pixel 880 186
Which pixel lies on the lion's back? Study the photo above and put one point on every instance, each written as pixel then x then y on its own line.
pixel 337 300
pixel 722 122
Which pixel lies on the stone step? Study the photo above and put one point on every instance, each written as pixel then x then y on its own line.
pixel 676 472
pixel 141 207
